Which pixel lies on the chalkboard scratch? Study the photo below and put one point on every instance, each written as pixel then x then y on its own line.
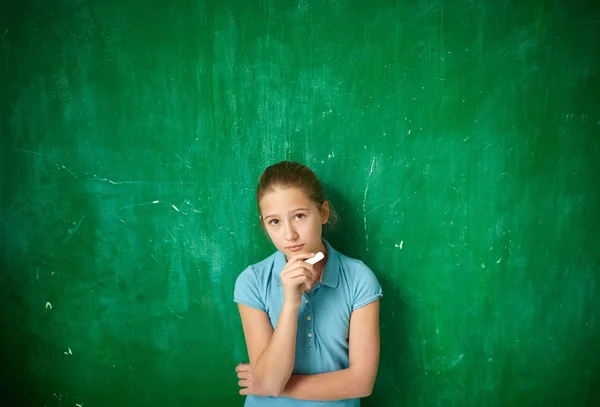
pixel 23 208
pixel 134 205
pixel 365 200
pixel 395 202
pixel 174 313
pixel 444 363
pixel 186 162
pixel 16 136
pixel 71 233
pixel 70 172
pixel 33 152
pixel 170 233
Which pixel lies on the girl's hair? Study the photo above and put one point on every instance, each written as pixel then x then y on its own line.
pixel 287 174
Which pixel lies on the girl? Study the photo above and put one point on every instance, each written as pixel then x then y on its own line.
pixel 312 331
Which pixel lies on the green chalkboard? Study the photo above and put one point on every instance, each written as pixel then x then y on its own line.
pixel 458 140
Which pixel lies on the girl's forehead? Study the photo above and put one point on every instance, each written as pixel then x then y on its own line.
pixel 284 198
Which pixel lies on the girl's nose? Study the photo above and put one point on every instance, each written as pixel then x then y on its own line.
pixel 290 233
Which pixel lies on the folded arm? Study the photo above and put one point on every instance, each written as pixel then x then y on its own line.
pixel 271 352
pixel 354 382
pixel 358 379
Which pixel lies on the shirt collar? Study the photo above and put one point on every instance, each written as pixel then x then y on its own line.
pixel 330 273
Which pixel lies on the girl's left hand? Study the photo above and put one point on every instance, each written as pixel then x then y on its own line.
pixel 249 385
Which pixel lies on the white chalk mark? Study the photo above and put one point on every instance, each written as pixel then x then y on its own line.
pixel 105 179
pixel 37 274
pixel 499 260
pixel 68 352
pixel 148 203
pixel 78 405
pixel 187 202
pixel 399 246
pixel 48 305
pixel 482 265
pixel 120 219
pixel 365 200
pixel 70 172
pixel 155 259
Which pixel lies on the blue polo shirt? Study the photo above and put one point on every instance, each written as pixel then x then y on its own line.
pixel 323 319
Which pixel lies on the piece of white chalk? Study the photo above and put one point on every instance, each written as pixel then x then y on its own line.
pixel 317 258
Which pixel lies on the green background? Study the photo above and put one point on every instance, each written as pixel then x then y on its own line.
pixel 458 140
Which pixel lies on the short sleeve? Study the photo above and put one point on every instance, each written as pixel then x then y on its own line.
pixel 247 290
pixel 366 287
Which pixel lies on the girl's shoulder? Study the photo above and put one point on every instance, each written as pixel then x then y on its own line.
pixel 356 271
pixel 259 271
pixel 352 265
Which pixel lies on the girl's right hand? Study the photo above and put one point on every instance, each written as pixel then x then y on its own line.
pixel 296 276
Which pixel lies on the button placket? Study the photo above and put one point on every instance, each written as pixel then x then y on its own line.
pixel 308 320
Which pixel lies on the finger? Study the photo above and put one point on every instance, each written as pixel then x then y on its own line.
pixel 302 268
pixel 300 273
pixel 244 392
pixel 243 383
pixel 244 375
pixel 302 280
pixel 297 279
pixel 242 367
pixel 299 257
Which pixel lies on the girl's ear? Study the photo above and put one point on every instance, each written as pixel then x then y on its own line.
pixel 324 212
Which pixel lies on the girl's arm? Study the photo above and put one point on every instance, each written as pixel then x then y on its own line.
pixel 271 352
pixel 357 380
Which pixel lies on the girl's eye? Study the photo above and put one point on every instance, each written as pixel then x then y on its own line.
pixel 299 216
pixel 274 222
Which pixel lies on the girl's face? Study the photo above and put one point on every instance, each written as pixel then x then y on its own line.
pixel 294 222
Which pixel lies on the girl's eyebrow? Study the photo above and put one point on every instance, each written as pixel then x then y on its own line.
pixel 293 210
